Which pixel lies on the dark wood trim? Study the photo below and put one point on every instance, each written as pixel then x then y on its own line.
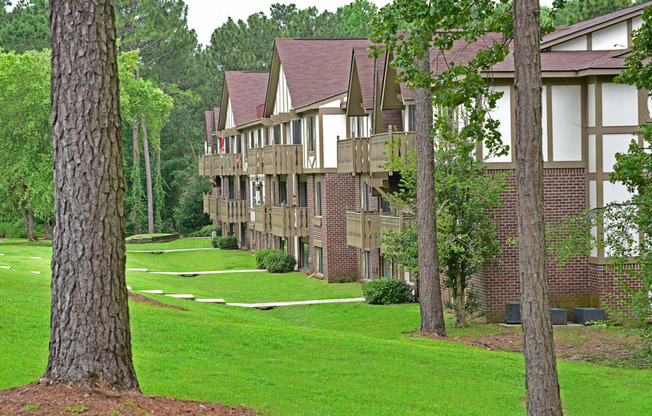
pixel 321 141
pixel 612 129
pixel 548 122
pixel 629 33
pixel 512 116
pixel 332 111
pixel 589 41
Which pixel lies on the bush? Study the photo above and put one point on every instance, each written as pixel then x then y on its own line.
pixel 226 243
pixel 279 262
pixel 387 291
pixel 207 231
pixel 261 256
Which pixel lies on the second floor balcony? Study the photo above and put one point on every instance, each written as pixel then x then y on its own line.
pixel 263 218
pixel 395 223
pixel 363 229
pixel 353 155
pixel 283 159
pixel 384 146
pixel 232 210
pixel 255 161
pixel 290 221
pixel 224 164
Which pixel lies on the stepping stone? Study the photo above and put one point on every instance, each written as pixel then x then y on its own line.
pixel 128 287
pixel 153 292
pixel 217 301
pixel 5 267
pixel 36 272
pixel 271 305
pixel 1 254
pixel 34 257
pixel 188 297
pixel 190 274
pixel 136 270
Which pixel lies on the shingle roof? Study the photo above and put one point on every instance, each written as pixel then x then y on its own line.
pixel 570 61
pixel 316 69
pixel 587 24
pixel 246 90
pixel 209 125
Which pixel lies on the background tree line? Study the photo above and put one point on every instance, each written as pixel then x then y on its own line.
pixel 168 84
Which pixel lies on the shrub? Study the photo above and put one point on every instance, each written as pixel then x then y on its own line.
pixel 387 291
pixel 261 256
pixel 280 262
pixel 226 243
pixel 207 231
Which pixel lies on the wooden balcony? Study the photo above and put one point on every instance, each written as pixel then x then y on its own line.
pixel 379 153
pixel 396 223
pixel 363 229
pixel 263 218
pixel 231 164
pixel 255 161
pixel 232 210
pixel 283 159
pixel 210 206
pixel 289 221
pixel 353 155
pixel 204 166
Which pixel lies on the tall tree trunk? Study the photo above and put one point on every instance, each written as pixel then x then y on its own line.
pixel 432 309
pixel 541 382
pixel 90 339
pixel 47 230
pixel 135 177
pixel 29 225
pixel 460 301
pixel 30 222
pixel 148 178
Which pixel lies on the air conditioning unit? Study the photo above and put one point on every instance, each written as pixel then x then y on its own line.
pixel 587 315
pixel 513 312
pixel 559 316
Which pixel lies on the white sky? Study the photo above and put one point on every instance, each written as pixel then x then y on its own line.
pixel 206 15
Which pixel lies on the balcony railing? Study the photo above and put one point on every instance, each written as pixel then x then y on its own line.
pixel 263 218
pixel 289 221
pixel 363 229
pixel 394 223
pixel 255 161
pixel 379 153
pixel 210 206
pixel 221 165
pixel 353 155
pixel 232 210
pixel 283 159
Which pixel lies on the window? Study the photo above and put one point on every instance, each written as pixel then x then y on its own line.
pixel 266 129
pixel 277 134
pixel 227 145
pixel 367 265
pixel 358 127
pixel 311 133
pixel 305 256
pixel 283 191
pixel 260 137
pixel 296 132
pixel 318 198
pixel 365 197
pixel 303 194
pixel 320 260
pixel 412 119
pixel 384 205
pixel 252 140
pixel 387 266
pixel 238 143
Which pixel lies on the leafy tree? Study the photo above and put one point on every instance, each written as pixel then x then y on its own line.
pixel 466 232
pixel 25 27
pixel 579 10
pixel 26 159
pixel 188 214
pixel 90 339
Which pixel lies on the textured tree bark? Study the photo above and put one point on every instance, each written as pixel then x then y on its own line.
pixel 541 381
pixel 148 179
pixel 90 340
pixel 460 301
pixel 47 230
pixel 432 310
pixel 135 217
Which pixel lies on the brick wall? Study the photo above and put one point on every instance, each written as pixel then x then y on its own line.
pixel 564 195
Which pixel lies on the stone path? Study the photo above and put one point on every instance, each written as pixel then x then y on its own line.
pixel 267 305
pixel 208 272
pixel 170 251
pixel 270 305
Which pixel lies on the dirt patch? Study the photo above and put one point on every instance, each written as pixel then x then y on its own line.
pixel 592 344
pixel 38 399
pixel 140 298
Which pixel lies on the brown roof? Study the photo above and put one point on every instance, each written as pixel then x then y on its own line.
pixel 216 117
pixel 587 24
pixel 570 61
pixel 365 66
pixel 246 90
pixel 316 69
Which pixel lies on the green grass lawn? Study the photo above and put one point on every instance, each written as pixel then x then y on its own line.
pixel 173 245
pixel 349 359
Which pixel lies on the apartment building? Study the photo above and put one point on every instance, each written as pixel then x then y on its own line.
pixel 313 176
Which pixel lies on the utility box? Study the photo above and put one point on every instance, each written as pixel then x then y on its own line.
pixel 586 315
pixel 513 312
pixel 559 316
